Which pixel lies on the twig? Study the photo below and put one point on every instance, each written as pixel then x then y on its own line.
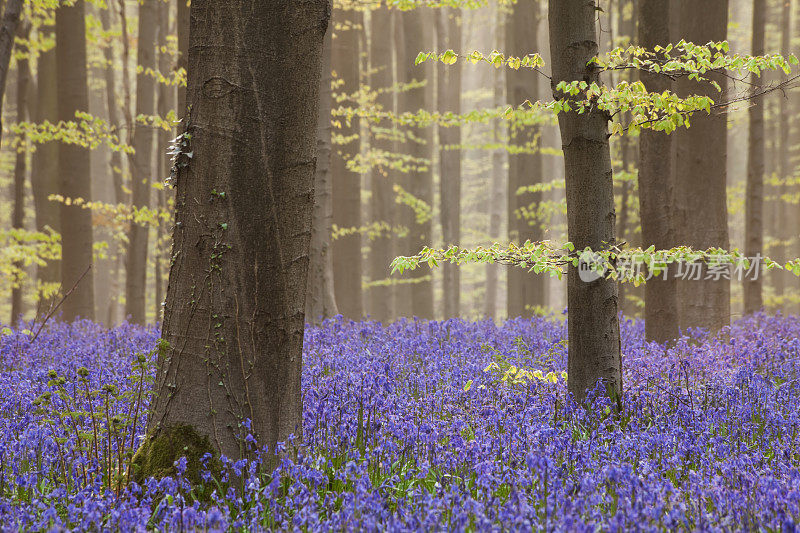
pixel 63 299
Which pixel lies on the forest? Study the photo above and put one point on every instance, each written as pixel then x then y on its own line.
pixel 367 265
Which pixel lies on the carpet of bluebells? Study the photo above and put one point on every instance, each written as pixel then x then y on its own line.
pixel 424 426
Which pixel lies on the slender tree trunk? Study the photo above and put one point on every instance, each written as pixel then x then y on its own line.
pixel 141 166
pixel 347 260
pixel 794 220
pixel 320 300
pixel 656 186
pixel 418 32
pixel 498 166
pixel 73 160
pixel 754 201
pixel 594 336
pixel 381 297
pixel 115 160
pixel 166 102
pixel 18 217
pixel 524 290
pixel 234 311
pixel 701 176
pixel 785 171
pixel 448 34
pixel 44 161
pixel 182 20
pixel 8 31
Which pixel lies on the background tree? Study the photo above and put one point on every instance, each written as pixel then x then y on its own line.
pixel 754 218
pixel 347 260
pixel 73 160
pixel 141 164
pixel 656 184
pixel 701 176
pixel 525 169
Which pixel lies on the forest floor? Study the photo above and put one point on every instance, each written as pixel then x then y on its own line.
pixel 424 426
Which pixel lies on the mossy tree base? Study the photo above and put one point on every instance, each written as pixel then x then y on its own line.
pixel 158 453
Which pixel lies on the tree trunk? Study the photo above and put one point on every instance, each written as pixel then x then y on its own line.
pixel 44 162
pixel 182 21
pixel 166 102
pixel 448 89
pixel 701 176
pixel 73 161
pixel 525 290
pixel 234 317
pixel 320 300
pixel 8 32
pixel 347 260
pixel 115 160
pixel 498 166
pixel 656 186
pixel 754 200
pixel 785 170
pixel 381 253
pixel 593 324
pixel 18 216
pixel 141 166
pixel 417 33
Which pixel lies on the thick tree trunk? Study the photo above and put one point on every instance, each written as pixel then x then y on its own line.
pixel 347 260
pixel 73 161
pixel 234 317
pixel 524 290
pixel 141 166
pixel 701 176
pixel 656 186
pixel 448 35
pixel 754 201
pixel 44 162
pixel 320 300
pixel 20 168
pixel 417 33
pixel 594 337
pixel 381 253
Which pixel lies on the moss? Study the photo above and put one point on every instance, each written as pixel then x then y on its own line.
pixel 158 453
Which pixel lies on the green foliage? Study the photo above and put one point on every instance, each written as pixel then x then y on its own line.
pixel 613 262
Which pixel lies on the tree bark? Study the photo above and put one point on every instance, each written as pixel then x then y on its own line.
pixel 701 176
pixel 656 186
pixel 417 33
pixel 381 253
pixel 785 170
pixel 73 160
pixel 8 31
pixel 20 169
pixel 141 166
pixel 44 162
pixel 593 324
pixel 525 290
pixel 448 35
pixel 347 259
pixel 320 300
pixel 497 183
pixel 234 317
pixel 115 160
pixel 754 200
pixel 166 102
pixel 182 21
